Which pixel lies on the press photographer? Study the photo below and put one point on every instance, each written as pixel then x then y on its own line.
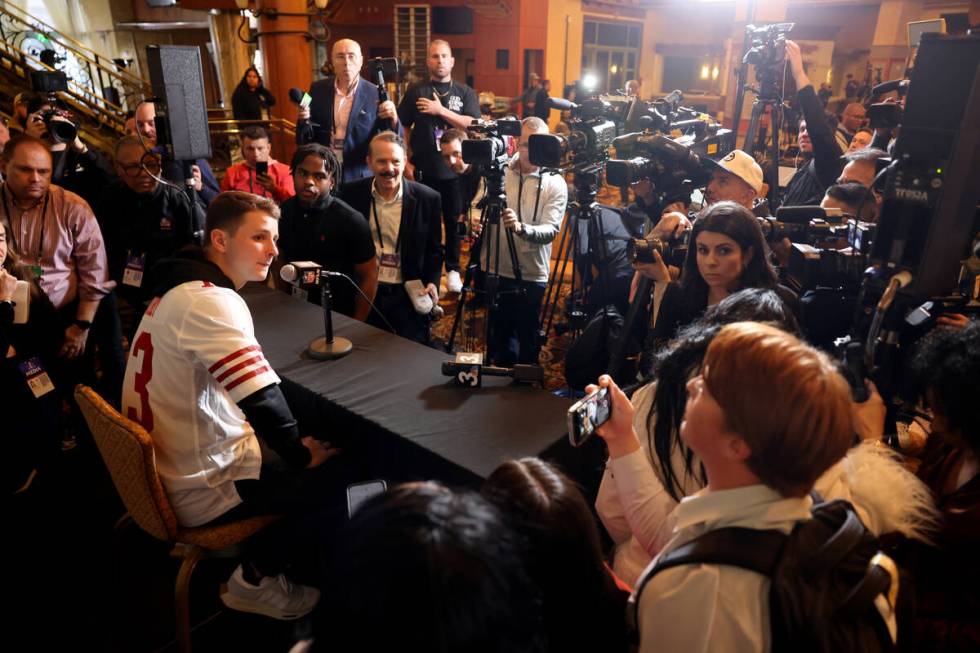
pixel 535 208
pixel 815 139
pixel 75 166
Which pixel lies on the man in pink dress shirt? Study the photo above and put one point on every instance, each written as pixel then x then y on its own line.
pixel 57 235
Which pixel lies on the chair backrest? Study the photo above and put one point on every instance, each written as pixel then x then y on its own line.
pixel 127 450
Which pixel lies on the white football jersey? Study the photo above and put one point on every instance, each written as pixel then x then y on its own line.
pixel 193 358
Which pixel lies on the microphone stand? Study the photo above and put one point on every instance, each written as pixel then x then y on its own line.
pixel 328 347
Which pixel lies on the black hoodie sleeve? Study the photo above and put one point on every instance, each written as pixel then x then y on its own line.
pixel 826 152
pixel 267 412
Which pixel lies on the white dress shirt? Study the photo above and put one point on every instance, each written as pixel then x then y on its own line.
pixel 700 608
pixel 388 215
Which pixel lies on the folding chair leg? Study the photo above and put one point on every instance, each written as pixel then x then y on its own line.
pixel 191 556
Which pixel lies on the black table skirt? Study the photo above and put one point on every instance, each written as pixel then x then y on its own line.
pixel 389 402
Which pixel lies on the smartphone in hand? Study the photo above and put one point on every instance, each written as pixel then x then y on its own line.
pixel 588 414
pixel 358 493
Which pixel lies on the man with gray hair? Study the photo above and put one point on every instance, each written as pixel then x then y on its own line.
pixel 535 208
pixel 345 112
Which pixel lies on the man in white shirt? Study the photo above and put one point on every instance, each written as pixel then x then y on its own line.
pixel 535 208
pixel 226 444
pixel 761 459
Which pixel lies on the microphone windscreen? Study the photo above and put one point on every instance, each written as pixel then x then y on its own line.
pixel 288 273
pixel 295 95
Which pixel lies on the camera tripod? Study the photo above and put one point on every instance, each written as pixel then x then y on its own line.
pixel 586 209
pixel 486 249
pixel 768 97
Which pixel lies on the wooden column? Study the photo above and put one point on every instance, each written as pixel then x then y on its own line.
pixel 285 54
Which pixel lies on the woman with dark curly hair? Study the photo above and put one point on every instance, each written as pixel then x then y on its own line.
pixel 947 587
pixel 251 97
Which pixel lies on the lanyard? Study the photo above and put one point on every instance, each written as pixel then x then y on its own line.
pixel 13 236
pixel 537 198
pixel 377 224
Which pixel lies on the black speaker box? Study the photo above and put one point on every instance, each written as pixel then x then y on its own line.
pixel 178 85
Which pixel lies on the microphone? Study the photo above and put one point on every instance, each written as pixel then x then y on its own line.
pixel 468 370
pixel 299 97
pixel 310 273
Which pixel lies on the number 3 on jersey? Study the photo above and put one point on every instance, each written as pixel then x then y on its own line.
pixel 141 379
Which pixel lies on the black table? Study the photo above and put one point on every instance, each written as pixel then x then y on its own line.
pixel 389 400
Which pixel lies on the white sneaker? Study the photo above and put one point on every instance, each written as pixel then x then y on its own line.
pixel 275 597
pixel 453 283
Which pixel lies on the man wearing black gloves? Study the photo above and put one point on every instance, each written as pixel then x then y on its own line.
pixel 816 139
pixel 404 222
pixel 227 445
pixel 316 226
pixel 142 222
pixel 428 109
pixel 345 112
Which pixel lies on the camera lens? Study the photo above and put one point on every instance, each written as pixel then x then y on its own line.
pixel 61 131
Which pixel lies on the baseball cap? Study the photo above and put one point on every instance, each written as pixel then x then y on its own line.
pixel 742 166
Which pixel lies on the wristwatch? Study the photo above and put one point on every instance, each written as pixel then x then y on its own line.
pixel 84 325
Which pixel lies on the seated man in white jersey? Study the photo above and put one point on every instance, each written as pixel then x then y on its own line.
pixel 226 444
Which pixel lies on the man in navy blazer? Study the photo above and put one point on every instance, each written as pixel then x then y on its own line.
pixel 406 224
pixel 345 113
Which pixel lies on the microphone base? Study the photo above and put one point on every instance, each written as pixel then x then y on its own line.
pixel 322 350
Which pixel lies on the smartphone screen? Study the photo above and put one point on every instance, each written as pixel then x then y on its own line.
pixel 587 415
pixel 358 493
pixel 262 167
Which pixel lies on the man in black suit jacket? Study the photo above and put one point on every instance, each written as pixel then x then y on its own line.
pixel 345 113
pixel 405 221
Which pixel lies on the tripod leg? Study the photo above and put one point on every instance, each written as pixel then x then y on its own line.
pixel 552 280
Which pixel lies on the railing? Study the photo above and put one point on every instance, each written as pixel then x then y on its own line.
pixel 225 131
pixel 105 89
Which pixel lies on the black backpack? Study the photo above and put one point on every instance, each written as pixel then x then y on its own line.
pixel 825 576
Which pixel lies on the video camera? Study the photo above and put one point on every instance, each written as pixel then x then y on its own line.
pixel 887 115
pixel 675 166
pixel 594 123
pixel 490 147
pixel 52 82
pixel 767 49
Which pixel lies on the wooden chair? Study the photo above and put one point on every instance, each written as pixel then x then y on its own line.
pixel 128 453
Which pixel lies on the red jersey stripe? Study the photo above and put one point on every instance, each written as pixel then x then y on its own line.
pixel 245 377
pixel 258 358
pixel 230 357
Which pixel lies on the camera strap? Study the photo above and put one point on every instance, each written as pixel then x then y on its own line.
pixel 520 193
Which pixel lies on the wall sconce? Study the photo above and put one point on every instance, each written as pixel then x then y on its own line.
pixel 614 69
pixel 714 72
pixel 704 71
pixel 272 14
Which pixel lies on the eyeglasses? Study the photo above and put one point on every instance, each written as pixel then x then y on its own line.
pixel 151 165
